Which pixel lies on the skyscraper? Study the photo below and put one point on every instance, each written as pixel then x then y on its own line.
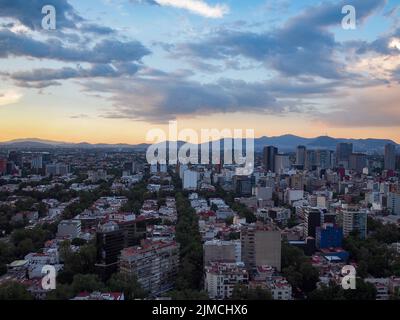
pixel 301 155
pixel 357 162
pixel 269 154
pixel 343 152
pixel 390 156
pixel 282 163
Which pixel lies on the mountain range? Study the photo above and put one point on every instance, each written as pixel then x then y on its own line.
pixel 285 143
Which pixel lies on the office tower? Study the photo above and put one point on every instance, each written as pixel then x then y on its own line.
pixel 301 156
pixel 343 152
pixel 354 220
pixel 243 185
pixel 37 162
pixel 269 158
pixel 3 166
pixel 16 158
pixel 219 250
pixel 261 245
pixel 109 243
pixel 390 156
pixel 329 236
pixel 324 159
pixel 221 278
pixel 311 160
pixel 57 169
pixel 282 163
pixel 357 162
pixel 190 179
pixel 393 203
pixel 112 237
pixel 154 263
pixel 312 218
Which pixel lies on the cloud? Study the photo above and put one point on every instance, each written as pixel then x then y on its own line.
pixel 304 45
pixel 8 97
pixel 105 51
pixel 198 7
pixel 160 98
pixel 48 77
pixel 376 107
pixel 29 13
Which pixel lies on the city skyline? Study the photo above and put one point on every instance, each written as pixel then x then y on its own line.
pixel 109 75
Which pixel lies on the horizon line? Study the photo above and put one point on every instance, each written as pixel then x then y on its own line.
pixel 43 140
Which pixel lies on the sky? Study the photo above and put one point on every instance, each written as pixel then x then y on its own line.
pixel 114 69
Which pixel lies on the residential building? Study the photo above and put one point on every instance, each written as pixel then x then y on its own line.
pixel 261 245
pixel 393 203
pixel 154 263
pixel 219 250
pixel 221 278
pixel 69 229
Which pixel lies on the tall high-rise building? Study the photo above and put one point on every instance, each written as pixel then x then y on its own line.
pixel 269 154
pixel 393 203
pixel 390 156
pixel 313 218
pixel 109 243
pixel 37 162
pixel 354 220
pixel 190 179
pixel 343 152
pixel 3 166
pixel 261 245
pixel 243 185
pixel 282 163
pixel 111 238
pixel 57 169
pixel 311 159
pixel 301 155
pixel 324 159
pixel 357 162
pixel 16 158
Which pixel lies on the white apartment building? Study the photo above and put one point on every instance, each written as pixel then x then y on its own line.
pixel 280 288
pixel 221 279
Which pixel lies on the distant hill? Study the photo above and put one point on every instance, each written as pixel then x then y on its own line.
pixel 284 143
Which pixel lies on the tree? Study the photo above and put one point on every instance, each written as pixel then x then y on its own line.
pixel 78 242
pixel 243 292
pixel 127 284
pixel 86 283
pixel 14 291
pixel 62 292
pixel 79 262
pixel 297 268
pixel 363 291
